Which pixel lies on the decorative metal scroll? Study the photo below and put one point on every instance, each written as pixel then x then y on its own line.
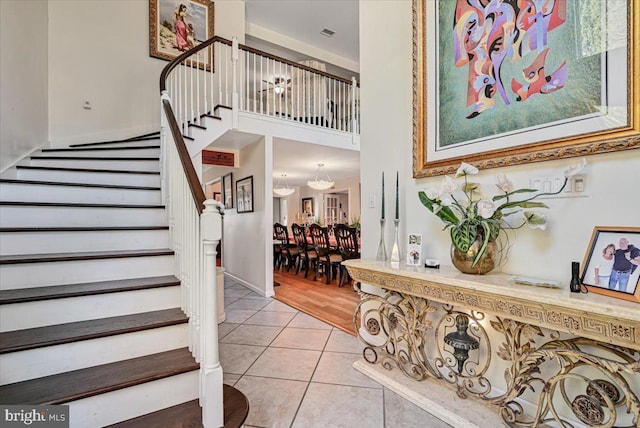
pixel 572 379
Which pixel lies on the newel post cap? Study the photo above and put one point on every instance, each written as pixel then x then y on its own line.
pixel 211 221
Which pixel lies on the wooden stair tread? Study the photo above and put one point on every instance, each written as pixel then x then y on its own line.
pixel 79 229
pixel 189 414
pixel 62 183
pixel 91 170
pixel 21 340
pixel 83 383
pixel 95 158
pixel 98 149
pixel 77 205
pixel 85 289
pixel 88 255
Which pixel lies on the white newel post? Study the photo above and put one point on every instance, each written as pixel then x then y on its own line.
pixel 235 52
pixel 210 369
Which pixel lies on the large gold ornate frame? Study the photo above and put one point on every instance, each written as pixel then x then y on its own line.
pixel 577 357
pixel 620 138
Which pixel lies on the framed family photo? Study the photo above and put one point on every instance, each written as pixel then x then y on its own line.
pixel 227 190
pixel 611 264
pixel 244 195
pixel 175 26
pixel 531 85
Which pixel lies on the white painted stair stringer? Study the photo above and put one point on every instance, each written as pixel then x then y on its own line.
pixel 84 308
pixel 117 406
pixel 94 177
pixel 40 274
pixel 34 363
pixel 13 243
pixel 31 192
pixel 215 128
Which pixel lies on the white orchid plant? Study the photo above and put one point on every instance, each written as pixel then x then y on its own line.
pixel 470 217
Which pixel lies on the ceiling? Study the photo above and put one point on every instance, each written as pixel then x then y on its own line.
pixel 300 161
pixel 303 20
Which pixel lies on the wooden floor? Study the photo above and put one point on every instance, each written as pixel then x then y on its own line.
pixel 326 302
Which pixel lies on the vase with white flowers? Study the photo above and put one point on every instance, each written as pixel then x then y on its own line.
pixel 475 223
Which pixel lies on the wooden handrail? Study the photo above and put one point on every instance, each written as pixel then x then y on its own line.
pixel 187 165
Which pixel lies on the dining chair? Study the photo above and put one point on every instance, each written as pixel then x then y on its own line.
pixel 347 239
pixel 283 252
pixel 329 260
pixel 308 257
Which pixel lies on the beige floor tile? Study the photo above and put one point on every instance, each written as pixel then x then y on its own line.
pixel 339 341
pixel 252 335
pixel 249 303
pixel 277 306
pixel 238 316
pixel 282 363
pixel 303 320
pixel 272 402
pixel 301 338
pixel 232 292
pixel 402 413
pixel 271 318
pixel 225 328
pixel 339 406
pixel 336 368
pixel 238 358
pixel 230 378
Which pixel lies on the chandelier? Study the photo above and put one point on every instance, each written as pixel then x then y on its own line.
pixel 320 184
pixel 281 190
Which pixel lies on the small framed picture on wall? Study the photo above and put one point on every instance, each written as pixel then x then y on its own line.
pixel 227 190
pixel 244 195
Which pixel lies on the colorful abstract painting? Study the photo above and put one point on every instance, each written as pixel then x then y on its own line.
pixel 505 66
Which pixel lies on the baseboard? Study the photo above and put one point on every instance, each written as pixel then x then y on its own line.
pixel 250 286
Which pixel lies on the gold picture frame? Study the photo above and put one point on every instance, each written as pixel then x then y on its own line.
pixel 618 113
pixel 196 19
pixel 607 267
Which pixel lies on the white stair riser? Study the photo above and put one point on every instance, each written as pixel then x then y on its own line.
pixel 74 194
pixel 129 144
pixel 69 242
pixel 119 165
pixel 128 153
pixel 34 363
pixel 83 308
pixel 26 216
pixel 128 403
pixel 90 177
pixel 26 275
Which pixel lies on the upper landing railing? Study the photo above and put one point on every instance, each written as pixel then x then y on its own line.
pixel 223 72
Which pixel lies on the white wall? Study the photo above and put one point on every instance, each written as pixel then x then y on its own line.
pixel 246 233
pixel 23 79
pixel 99 52
pixel 387 117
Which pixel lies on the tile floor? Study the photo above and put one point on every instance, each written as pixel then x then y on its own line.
pixel 297 371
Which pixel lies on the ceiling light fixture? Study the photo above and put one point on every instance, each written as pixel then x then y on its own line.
pixel 281 190
pixel 321 184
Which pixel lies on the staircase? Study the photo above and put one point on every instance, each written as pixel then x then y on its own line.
pixel 90 309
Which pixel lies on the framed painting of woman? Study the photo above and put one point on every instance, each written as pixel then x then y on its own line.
pixel 175 26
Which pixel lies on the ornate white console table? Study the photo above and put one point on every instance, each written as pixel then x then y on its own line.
pixel 569 356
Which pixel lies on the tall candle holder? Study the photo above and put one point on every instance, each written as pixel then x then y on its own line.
pixel 382 249
pixel 395 250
